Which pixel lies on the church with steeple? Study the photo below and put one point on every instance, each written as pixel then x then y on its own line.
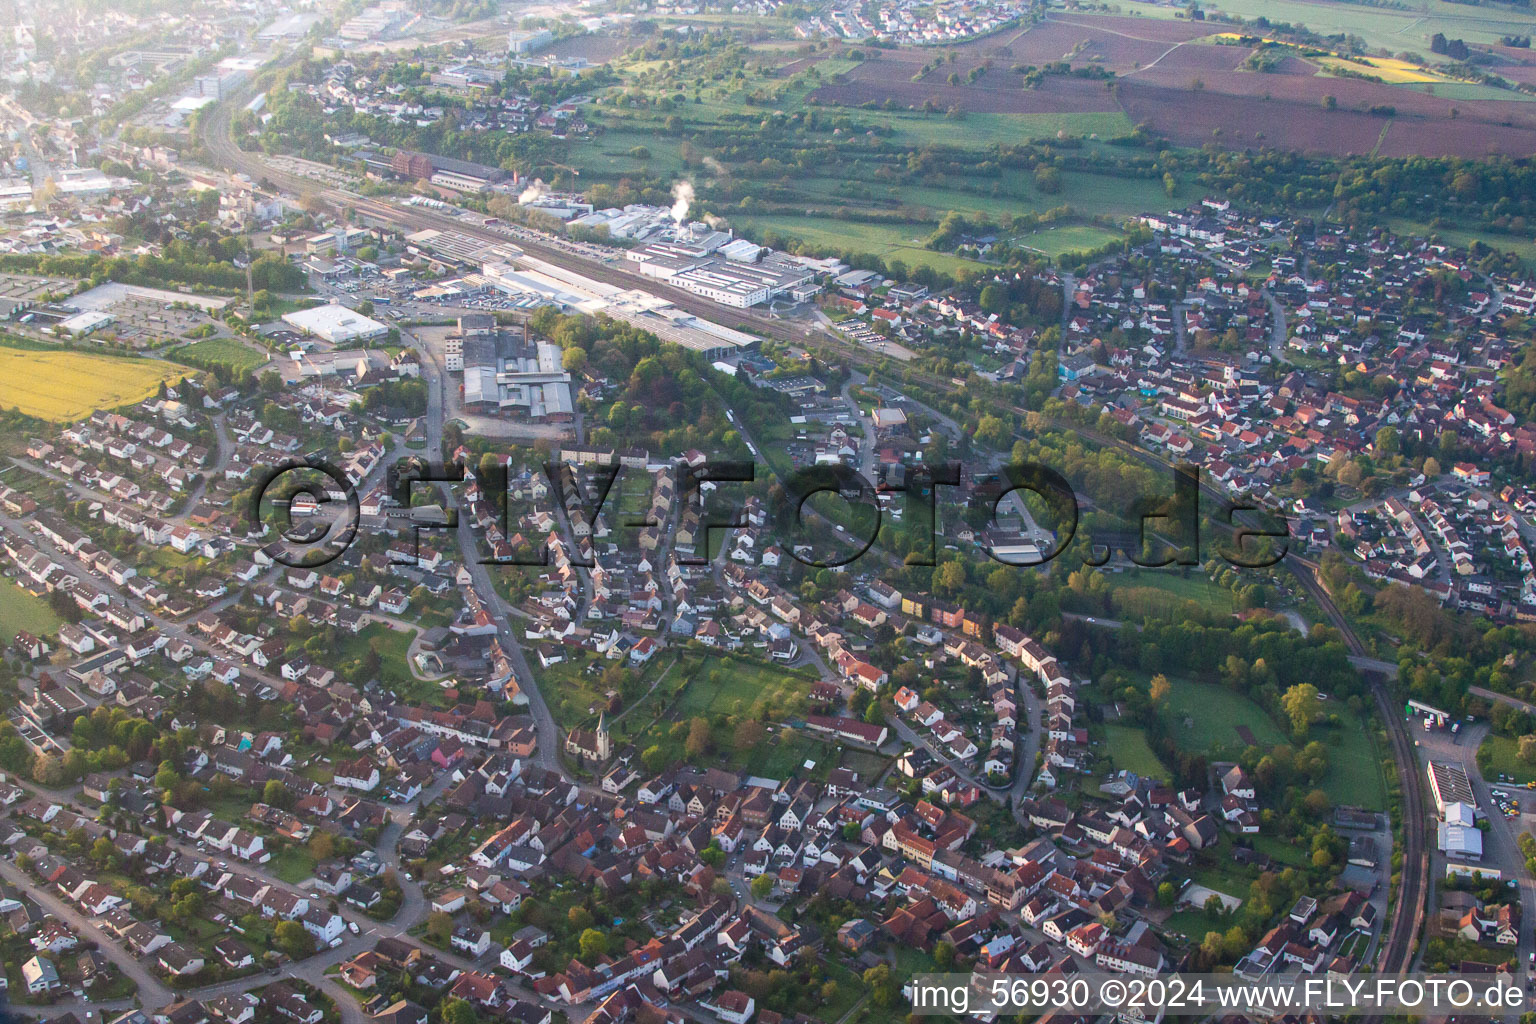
pixel 590 747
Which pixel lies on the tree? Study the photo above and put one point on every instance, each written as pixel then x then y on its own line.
pixel 882 987
pixel 275 793
pixel 593 944
pixel 762 885
pixel 579 917
pixel 1527 752
pixel 292 938
pixel 949 577
pixel 1330 102
pixel 1431 467
pixel 459 1011
pixel 1161 688
pixel 48 770
pixel 322 846
pixel 698 742
pixel 439 926
pixel 1166 894
pixel 574 360
pixel 749 733
pixel 654 759
pixel 1302 706
pixel 1387 441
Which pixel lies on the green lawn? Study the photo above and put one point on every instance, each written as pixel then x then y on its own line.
pixel 19 610
pixel 1468 91
pixel 1204 718
pixel 229 352
pixel 292 864
pixel 1196 586
pixel 1354 764
pixel 1281 850
pixel 976 131
pixel 737 687
pixel 610 153
pixel 850 989
pixel 783 754
pixel 1058 241
pixel 888 241
pixel 1215 869
pixel 723 690
pixel 1194 924
pixel 1126 747
pixel 391 645
pixel 1521 245
pixel 575 695
pixel 1504 759
pixel 1406 27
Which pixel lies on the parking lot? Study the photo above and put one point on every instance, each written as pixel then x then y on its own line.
pixel 865 335
pixel 19 288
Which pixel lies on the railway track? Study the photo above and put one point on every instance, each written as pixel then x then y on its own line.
pixel 1409 911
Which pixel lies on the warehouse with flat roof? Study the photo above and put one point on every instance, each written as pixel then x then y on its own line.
pixel 335 323
pixel 1449 784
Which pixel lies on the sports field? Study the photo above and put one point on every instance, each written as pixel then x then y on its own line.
pixel 64 386
pixel 229 352
pixel 1212 720
pixel 1068 238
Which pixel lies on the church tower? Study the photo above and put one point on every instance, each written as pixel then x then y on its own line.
pixel 604 744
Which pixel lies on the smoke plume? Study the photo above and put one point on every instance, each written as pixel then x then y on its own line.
pixel 682 196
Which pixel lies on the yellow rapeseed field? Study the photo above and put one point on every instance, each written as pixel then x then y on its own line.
pixel 1388 69
pixel 64 386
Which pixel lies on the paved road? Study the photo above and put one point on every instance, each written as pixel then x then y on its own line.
pixel 547 753
pixel 1029 735
pixel 226 448
pixel 1502 698
pixel 151 989
pixel 1500 848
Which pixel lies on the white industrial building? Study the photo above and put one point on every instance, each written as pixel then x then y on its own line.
pixel 1460 838
pixel 84 323
pixel 730 282
pixel 335 323
pixel 521 42
pixel 459 182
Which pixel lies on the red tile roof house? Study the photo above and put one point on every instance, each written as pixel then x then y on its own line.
pixel 733 1006
pixel 849 729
